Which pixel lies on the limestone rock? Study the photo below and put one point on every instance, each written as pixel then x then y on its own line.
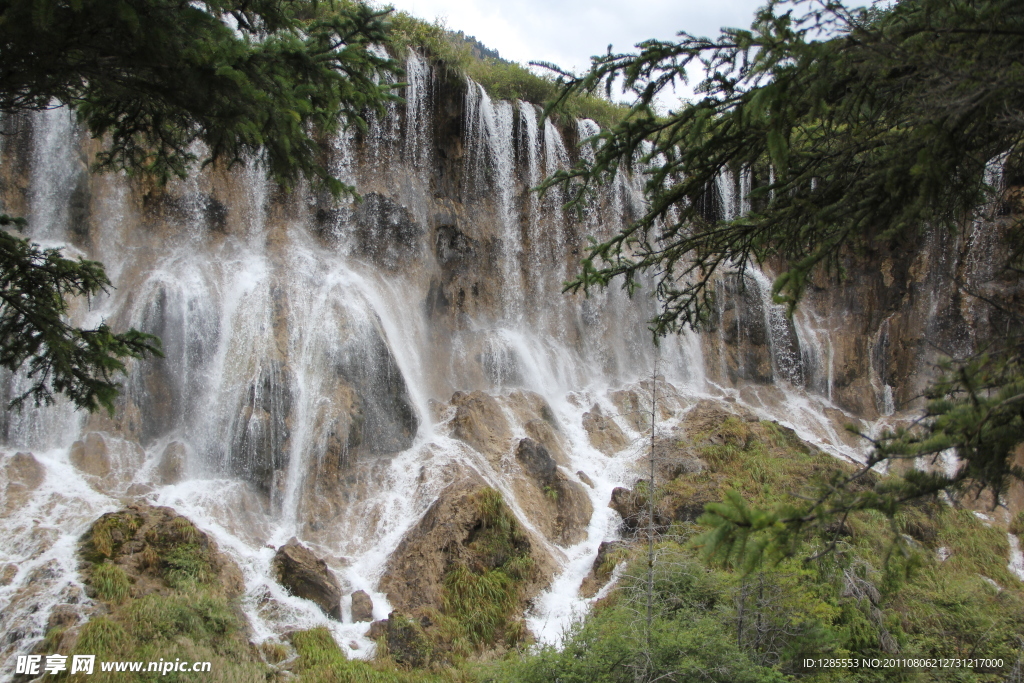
pixel 480 423
pixel 23 469
pixel 629 505
pixel 673 457
pixel 585 479
pixel 386 232
pixel 7 573
pixel 140 537
pixel 528 405
pixel 604 434
pixel 557 505
pixel 407 644
pixel 362 606
pixel 377 630
pixel 112 461
pixel 542 432
pixel 171 469
pixel 307 576
pixel 632 409
pixel 601 570
pixel 91 456
pixel 415 571
pixel 24 474
pixel 62 616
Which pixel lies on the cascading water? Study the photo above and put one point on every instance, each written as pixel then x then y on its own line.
pixel 312 349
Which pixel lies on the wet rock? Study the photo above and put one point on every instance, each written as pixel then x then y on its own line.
pixel 629 505
pixel 362 606
pixel 171 468
pixel 386 232
pixel 307 576
pixel 585 479
pixel 140 538
pixel 407 644
pixel 604 434
pixel 536 461
pixel 24 475
pixel 609 553
pixel 62 616
pixel 7 573
pixel 480 422
pixel 259 432
pixel 91 455
pixel 23 469
pixel 557 505
pixel 377 630
pixel 632 409
pixel 138 490
pixel 111 460
pixel 544 433
pixel 414 574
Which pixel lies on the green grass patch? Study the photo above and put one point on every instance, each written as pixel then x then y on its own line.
pixel 105 537
pixel 110 582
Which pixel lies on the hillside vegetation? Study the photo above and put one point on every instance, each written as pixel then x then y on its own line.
pixel 455 55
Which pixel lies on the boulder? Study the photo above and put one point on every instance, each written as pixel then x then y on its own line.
pixel 629 505
pixel 544 433
pixel 608 555
pixel 407 644
pixel 140 538
pixel 557 505
pixel 480 423
pixel 362 606
pixel 110 461
pixel 91 455
pixel 24 475
pixel 673 457
pixel 307 576
pixel 632 409
pixel 171 468
pixel 604 434
pixel 443 538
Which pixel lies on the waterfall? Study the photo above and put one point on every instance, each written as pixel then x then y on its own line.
pixel 313 349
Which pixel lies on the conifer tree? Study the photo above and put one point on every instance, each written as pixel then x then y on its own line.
pixel 247 78
pixel 855 126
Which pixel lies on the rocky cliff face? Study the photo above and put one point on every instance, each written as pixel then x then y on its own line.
pixel 333 368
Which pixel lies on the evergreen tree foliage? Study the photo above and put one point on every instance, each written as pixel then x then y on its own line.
pixel 244 77
pixel 855 126
pixel 247 79
pixel 81 364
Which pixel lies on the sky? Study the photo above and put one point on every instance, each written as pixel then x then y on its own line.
pixel 569 32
